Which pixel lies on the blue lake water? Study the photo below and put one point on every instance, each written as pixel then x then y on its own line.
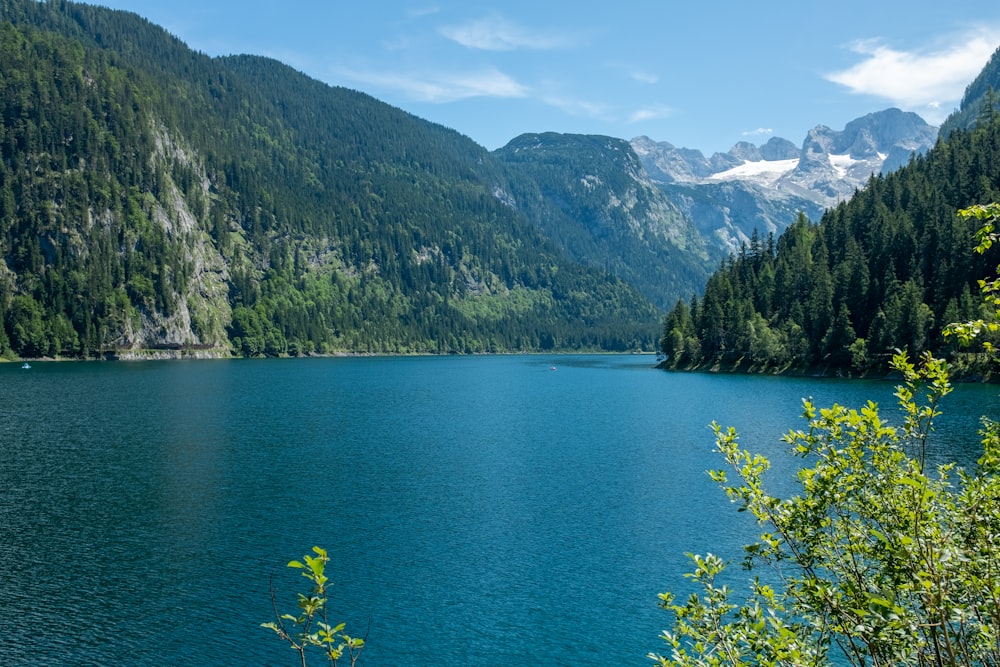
pixel 477 510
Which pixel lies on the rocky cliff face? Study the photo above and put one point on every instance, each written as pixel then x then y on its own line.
pixel 833 164
pixel 196 325
pixel 766 186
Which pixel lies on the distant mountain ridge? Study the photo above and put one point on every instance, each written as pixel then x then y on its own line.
pixel 763 187
pixel 658 215
pixel 827 167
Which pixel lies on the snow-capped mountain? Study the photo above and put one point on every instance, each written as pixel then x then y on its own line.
pixel 730 195
pixel 827 168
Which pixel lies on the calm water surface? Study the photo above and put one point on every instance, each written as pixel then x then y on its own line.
pixel 478 510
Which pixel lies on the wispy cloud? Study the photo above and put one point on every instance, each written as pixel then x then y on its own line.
pixel 576 106
pixel 441 87
pixel 650 113
pixel 602 111
pixel 929 80
pixel 759 132
pixel 642 76
pixel 419 12
pixel 495 33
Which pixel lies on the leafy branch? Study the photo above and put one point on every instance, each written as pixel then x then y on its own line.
pixel 311 627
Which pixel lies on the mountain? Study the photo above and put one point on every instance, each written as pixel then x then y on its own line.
pixel 591 195
pixel 153 198
pixel 827 167
pixel 763 188
pixel 883 270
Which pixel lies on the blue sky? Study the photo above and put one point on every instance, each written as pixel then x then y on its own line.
pixel 701 75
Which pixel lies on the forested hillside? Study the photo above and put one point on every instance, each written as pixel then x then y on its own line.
pixel 980 96
pixel 153 197
pixel 885 270
pixel 592 197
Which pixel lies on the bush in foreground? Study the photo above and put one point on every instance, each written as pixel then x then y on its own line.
pixel 879 558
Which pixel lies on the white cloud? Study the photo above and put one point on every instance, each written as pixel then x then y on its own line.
pixel 442 87
pixel 920 80
pixel 420 12
pixel 498 34
pixel 577 107
pixel 650 113
pixel 759 132
pixel 643 76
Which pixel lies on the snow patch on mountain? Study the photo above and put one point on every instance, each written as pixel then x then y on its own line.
pixel 769 173
pixel 762 172
pixel 729 196
pixel 828 167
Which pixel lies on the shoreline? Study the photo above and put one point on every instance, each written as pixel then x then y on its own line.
pixel 221 354
pixel 821 372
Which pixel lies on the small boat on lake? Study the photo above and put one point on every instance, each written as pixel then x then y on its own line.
pixel 26 366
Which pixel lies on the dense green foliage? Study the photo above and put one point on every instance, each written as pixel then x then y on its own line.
pixel 151 196
pixel 983 328
pixel 879 272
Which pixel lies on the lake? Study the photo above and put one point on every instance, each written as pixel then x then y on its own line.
pixel 495 510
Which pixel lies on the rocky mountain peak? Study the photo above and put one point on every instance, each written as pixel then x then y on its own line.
pixel 829 165
pixel 777 148
pixel 764 187
pixel 667 163
pixel 744 150
pixel 887 129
